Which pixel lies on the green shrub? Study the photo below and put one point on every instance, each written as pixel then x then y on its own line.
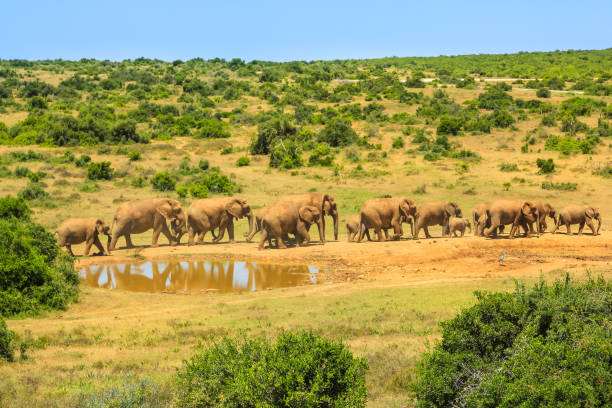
pixel 203 164
pixel 138 182
pixel 298 370
pixel 33 191
pixel 82 161
pixel 449 125
pixel 21 171
pixel 99 171
pixel 549 185
pixel 211 128
pixel 398 143
pixel 7 345
pixel 34 276
pixel 338 132
pixel 545 166
pixel 37 176
pixel 543 93
pixel 182 191
pixel 163 181
pixel 14 207
pixel 321 156
pixel 546 347
pixel 216 182
pixel 134 156
pixel 227 150
pixel 243 161
pixel 286 155
pixel 508 167
pixel 198 191
pixel 502 119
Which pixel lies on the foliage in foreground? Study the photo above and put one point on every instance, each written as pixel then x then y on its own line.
pixel 299 370
pixel 34 276
pixel 6 342
pixel 545 347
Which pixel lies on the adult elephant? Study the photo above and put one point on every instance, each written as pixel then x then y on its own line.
pixel 381 213
pixel 481 221
pixel 515 212
pixel 352 228
pixel 76 230
pixel 545 210
pixel 209 213
pixel 281 220
pixel 435 213
pixel 324 202
pixel 136 217
pixel 259 215
pixel 578 214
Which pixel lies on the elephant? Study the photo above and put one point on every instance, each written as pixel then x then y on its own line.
pixel 259 215
pixel 578 214
pixel 209 213
pixel 281 220
pixel 516 212
pixel 76 230
pixel 382 213
pixel 459 224
pixel 352 228
pixel 136 217
pixel 545 210
pixel 324 202
pixel 436 213
pixel 481 221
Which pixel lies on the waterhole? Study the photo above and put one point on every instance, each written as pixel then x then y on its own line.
pixel 196 276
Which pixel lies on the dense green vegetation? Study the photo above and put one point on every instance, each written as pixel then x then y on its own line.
pixel 298 370
pixel 34 275
pixel 310 107
pixel 544 347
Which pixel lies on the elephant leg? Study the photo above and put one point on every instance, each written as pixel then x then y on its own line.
pixel 591 225
pixel 426 232
pixel 386 232
pixel 581 228
pixel 201 237
pixel 113 243
pixel 230 232
pixel 88 245
pixel 128 241
pixel 397 230
pixel 302 236
pixel 379 233
pixel 367 233
pixel 279 242
pixel 98 245
pixel 568 227
pixel 192 234
pixel 264 238
pixel 69 247
pixel 462 233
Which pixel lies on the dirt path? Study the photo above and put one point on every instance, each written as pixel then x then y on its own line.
pixel 468 257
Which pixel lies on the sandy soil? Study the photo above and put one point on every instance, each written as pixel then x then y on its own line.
pixel 437 258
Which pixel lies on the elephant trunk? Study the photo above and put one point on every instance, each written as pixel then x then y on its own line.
pixel 598 224
pixel 335 216
pixel 538 224
pixel 108 242
pixel 251 232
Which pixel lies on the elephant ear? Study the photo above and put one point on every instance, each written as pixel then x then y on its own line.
pixel 590 212
pixel 526 208
pixel 166 210
pixel 234 208
pixel 100 226
pixel 308 214
pixel 404 208
pixel 450 209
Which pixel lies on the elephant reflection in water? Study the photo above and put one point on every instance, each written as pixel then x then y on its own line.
pixel 134 277
pixel 230 276
pixel 91 275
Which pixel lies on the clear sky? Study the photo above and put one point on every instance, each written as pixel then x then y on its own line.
pixel 286 30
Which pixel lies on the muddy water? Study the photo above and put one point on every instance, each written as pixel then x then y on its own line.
pixel 196 276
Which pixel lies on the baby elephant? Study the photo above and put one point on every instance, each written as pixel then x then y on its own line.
pixel 280 221
pixel 459 224
pixel 77 230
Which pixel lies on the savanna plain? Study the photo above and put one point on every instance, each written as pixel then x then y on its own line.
pixel 78 138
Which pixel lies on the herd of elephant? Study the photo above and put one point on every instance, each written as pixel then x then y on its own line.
pixel 294 214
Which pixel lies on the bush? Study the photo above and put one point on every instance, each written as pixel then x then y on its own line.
pixel 82 161
pixel 545 166
pixel 338 132
pixel 502 119
pixel 449 125
pixel 203 164
pixel 198 191
pixel 549 185
pixel 33 274
pixel 7 345
pixel 299 370
pixel 14 207
pixel 163 181
pixel 398 143
pixel 134 156
pixel 243 161
pixel 321 156
pixel 286 156
pixel 211 128
pixel 182 191
pixel 21 171
pixel 99 171
pixel 33 191
pixel 605 172
pixel 508 167
pixel 545 347
pixel 543 93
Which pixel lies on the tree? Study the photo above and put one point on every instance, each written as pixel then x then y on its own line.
pixel 163 181
pixel 100 171
pixel 338 132
pixel 543 92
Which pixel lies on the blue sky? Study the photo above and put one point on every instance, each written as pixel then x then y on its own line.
pixel 284 30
